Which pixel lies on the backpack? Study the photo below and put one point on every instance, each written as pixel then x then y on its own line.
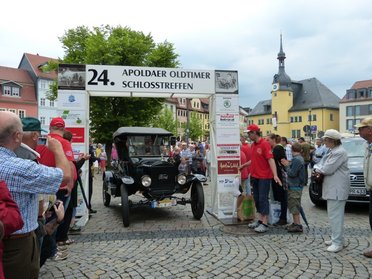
pixel 301 175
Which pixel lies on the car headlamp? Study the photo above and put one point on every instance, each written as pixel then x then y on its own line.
pixel 181 179
pixel 146 180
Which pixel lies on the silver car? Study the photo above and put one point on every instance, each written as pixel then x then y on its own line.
pixel 355 148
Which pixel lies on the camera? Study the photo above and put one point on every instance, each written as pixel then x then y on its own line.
pixel 51 209
pixel 42 141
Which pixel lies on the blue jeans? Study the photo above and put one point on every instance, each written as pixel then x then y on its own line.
pixel 261 189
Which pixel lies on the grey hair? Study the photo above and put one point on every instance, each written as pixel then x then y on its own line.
pixel 6 132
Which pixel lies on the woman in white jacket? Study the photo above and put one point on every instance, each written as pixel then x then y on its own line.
pixel 336 186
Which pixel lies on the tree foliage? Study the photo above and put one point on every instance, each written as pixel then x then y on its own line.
pixel 166 121
pixel 195 127
pixel 106 45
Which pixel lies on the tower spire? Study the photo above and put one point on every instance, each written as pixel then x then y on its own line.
pixel 282 78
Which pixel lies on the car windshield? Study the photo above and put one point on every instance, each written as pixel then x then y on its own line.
pixel 355 147
pixel 148 145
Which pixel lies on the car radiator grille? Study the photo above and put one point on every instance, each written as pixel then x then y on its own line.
pixel 357 180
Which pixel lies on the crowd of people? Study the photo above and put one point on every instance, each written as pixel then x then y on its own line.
pixel 38 184
pixel 283 167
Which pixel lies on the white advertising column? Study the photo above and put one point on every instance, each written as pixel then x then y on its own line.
pixel 73 107
pixel 225 141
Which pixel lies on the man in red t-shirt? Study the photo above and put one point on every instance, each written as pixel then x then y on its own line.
pixel 57 128
pixel 263 169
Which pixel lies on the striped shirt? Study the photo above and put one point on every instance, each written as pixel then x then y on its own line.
pixel 25 180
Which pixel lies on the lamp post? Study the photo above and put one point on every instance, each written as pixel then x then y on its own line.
pixel 188 121
pixel 310 134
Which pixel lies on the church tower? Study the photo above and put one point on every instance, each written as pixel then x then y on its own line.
pixel 281 97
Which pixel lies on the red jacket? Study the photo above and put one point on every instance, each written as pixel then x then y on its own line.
pixel 10 216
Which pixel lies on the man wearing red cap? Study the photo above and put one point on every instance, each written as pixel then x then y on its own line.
pixel 263 169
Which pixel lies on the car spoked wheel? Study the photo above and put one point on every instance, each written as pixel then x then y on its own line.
pixel 197 200
pixel 106 197
pixel 124 204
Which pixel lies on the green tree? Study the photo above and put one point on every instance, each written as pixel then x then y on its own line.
pixel 106 45
pixel 166 121
pixel 195 127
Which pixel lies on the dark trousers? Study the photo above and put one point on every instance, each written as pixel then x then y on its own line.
pixel 62 230
pixel 90 194
pixel 281 196
pixel 21 257
pixel 370 209
pixel 306 173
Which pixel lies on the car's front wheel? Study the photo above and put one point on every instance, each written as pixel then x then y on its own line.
pixel 124 205
pixel 106 197
pixel 197 200
pixel 315 193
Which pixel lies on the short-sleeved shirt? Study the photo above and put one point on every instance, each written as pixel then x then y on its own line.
pixel 243 160
pixel 47 156
pixel 25 180
pixel 246 148
pixel 261 153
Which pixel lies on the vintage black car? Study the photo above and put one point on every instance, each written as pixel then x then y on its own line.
pixel 355 148
pixel 143 167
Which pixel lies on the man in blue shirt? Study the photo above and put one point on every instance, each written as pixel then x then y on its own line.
pixel 25 180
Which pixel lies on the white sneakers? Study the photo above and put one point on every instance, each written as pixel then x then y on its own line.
pixel 334 248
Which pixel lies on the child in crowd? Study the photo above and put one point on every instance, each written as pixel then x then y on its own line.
pixel 296 181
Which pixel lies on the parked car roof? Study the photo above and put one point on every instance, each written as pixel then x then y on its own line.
pixel 141 131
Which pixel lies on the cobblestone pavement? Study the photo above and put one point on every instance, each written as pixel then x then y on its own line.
pixel 169 243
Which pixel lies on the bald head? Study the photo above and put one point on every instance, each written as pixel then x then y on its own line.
pixel 10 130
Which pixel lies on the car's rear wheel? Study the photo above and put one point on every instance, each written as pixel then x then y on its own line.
pixel 197 200
pixel 106 197
pixel 124 205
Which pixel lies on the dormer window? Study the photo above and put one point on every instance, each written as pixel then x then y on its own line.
pixel 11 91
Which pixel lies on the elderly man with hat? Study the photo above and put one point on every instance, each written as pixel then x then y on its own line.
pixel 263 170
pixel 25 180
pixel 336 186
pixel 365 131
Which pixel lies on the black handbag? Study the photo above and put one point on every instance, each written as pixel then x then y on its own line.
pixel 318 177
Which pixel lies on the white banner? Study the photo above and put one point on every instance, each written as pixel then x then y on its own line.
pixel 228 184
pixel 150 80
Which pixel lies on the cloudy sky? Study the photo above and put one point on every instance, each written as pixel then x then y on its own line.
pixel 330 40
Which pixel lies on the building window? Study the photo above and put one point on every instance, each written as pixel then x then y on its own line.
pixel 314 117
pixel 296 134
pixel 331 116
pixel 7 91
pixel 350 124
pixel 300 119
pixel 13 110
pixel 369 93
pixel 42 120
pixel 21 113
pixel 43 84
pixel 295 119
pixel 349 111
pixel 369 109
pixel 2 109
pixel 51 103
pixel 15 91
pixel 357 110
pixel 291 119
pixel 42 102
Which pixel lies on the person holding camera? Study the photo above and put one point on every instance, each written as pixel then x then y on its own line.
pixel 336 186
pixel 26 180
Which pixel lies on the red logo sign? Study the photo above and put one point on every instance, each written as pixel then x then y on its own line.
pixel 228 167
pixel 78 134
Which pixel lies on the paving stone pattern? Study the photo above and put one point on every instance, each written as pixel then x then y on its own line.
pixel 169 243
